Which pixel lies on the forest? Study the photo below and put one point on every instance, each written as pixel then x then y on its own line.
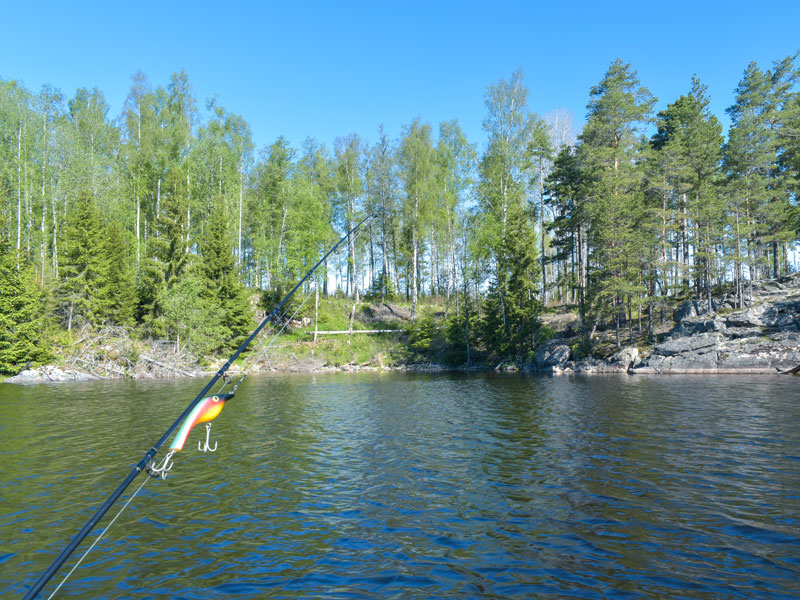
pixel 166 220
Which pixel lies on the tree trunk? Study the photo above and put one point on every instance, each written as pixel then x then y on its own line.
pixel 158 204
pixel 19 191
pixel 55 241
pixel 138 237
pixel 188 213
pixel 385 260
pixel 630 320
pixel 239 235
pixel 775 262
pixel 541 233
pixel 371 255
pixel 414 276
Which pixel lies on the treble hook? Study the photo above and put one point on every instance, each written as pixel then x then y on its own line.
pixel 160 471
pixel 207 447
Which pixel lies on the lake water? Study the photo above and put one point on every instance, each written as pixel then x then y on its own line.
pixel 414 486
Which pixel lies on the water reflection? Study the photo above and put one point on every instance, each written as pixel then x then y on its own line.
pixel 416 486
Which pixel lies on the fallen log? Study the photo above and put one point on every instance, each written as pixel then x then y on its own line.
pixel 355 331
pixel 146 358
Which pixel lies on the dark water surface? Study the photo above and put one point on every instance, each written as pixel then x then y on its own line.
pixel 414 486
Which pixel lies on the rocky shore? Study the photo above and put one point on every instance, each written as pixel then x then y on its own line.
pixel 763 338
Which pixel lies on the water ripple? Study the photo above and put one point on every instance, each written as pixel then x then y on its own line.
pixel 415 486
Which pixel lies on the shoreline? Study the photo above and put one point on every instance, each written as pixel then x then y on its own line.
pixel 762 337
pixel 55 374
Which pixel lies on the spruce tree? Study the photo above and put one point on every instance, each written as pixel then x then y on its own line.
pixel 221 275
pixel 507 236
pixel 167 256
pixel 21 317
pixel 119 288
pixel 83 291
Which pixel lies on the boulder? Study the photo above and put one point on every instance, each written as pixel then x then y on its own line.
pixel 586 365
pixel 688 309
pixel 737 333
pixel 763 315
pixel 49 375
pixel 694 325
pixel 551 354
pixel 625 358
pixel 786 322
pixel 697 343
pixel 507 367
pixel 694 308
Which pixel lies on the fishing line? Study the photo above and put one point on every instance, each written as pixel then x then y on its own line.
pixel 263 351
pixel 94 543
pixel 257 358
pixel 200 403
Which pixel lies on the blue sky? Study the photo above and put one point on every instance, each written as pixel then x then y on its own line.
pixel 325 69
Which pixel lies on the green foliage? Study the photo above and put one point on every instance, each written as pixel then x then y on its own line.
pixel 424 336
pixel 619 109
pixel 455 332
pixel 119 287
pixel 173 198
pixel 582 348
pixel 544 334
pixel 224 289
pixel 22 337
pixel 188 315
pixel 382 289
pixel 97 284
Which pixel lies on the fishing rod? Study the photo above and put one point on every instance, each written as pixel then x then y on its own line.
pixel 194 406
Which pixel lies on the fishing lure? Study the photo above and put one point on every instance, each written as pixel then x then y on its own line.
pixel 201 410
pixel 206 410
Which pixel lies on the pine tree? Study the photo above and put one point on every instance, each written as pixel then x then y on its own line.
pixel 618 109
pixel 22 339
pixel 565 194
pixel 689 140
pixel 760 184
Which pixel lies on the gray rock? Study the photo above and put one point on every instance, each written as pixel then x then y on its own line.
pixel 49 375
pixel 755 316
pixel 697 343
pixel 687 309
pixel 552 353
pixel 736 333
pixel 763 338
pixel 586 365
pixel 694 325
pixel 625 358
pixel 772 286
pixel 790 306
pixel 786 322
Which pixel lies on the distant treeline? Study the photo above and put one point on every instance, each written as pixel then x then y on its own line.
pixel 165 218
